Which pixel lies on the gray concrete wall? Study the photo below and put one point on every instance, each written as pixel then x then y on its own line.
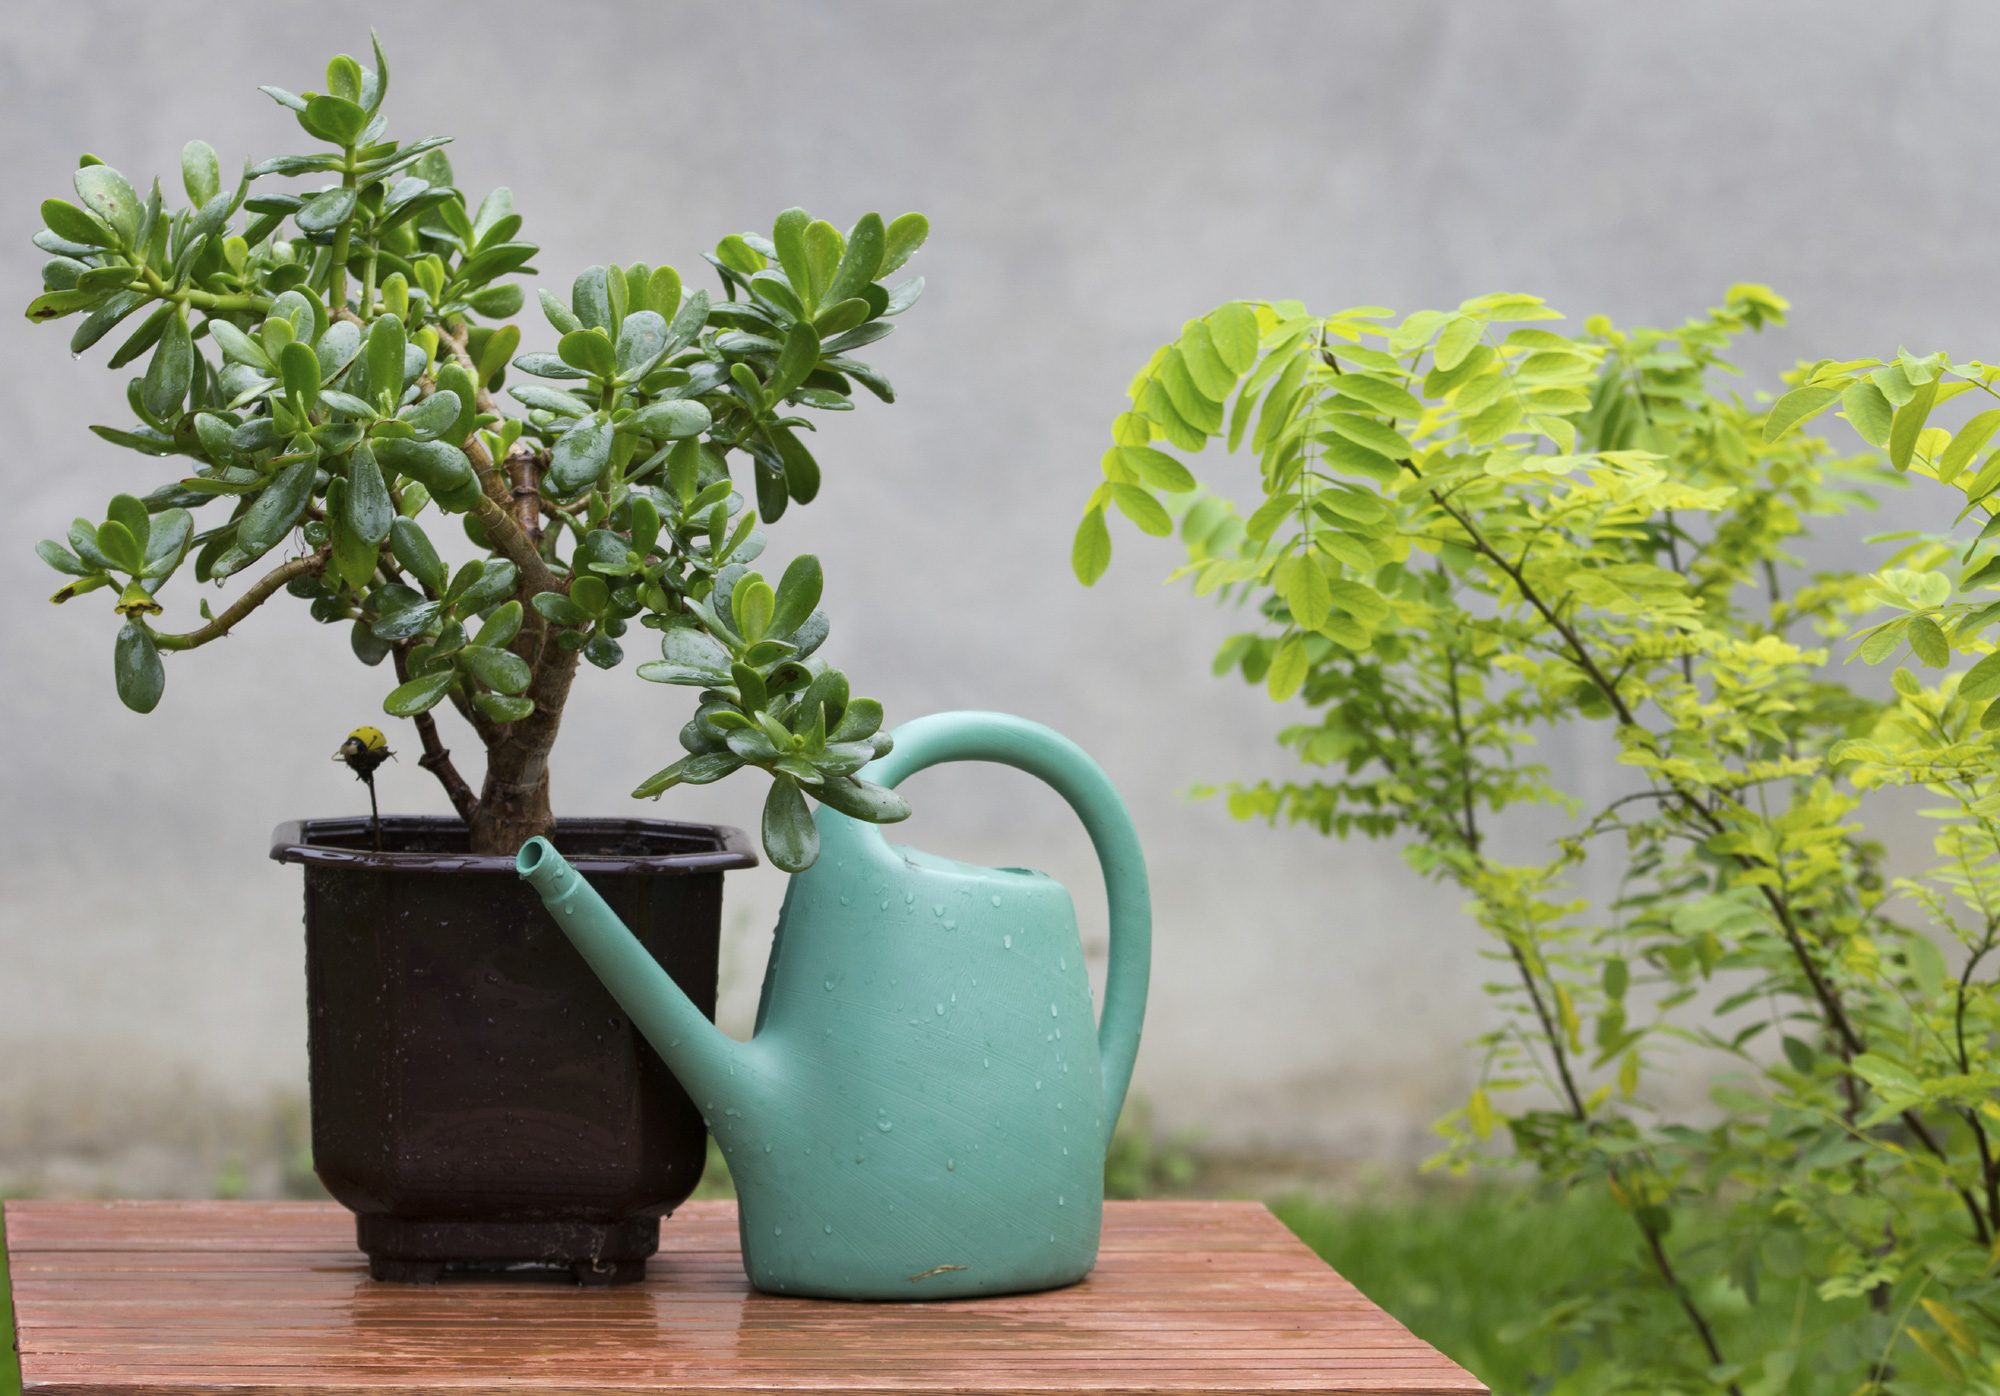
pixel 1095 173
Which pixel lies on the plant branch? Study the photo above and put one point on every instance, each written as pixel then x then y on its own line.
pixel 267 586
pixel 436 759
pixel 1687 1303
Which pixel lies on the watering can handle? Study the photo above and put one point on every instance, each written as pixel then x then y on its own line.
pixel 1031 747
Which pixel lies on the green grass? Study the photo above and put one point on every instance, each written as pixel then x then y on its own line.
pixel 1550 1296
pixel 1465 1271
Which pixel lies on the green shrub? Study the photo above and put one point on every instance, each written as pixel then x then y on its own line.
pixel 1472 529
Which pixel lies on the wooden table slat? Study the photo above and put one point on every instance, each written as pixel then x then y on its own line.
pixel 273 1299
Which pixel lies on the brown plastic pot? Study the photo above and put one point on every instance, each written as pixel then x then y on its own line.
pixel 478 1100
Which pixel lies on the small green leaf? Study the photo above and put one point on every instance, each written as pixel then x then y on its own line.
pixel 334 119
pixel 1157 468
pixel 1799 405
pixel 581 454
pixel 116 543
pixel 104 192
pixel 1232 329
pixel 1908 424
pixel 798 358
pixel 298 367
pixel 1928 642
pixel 1868 411
pixel 857 799
pixel 900 242
pixel 323 213
pixel 136 668
pixel 591 593
pixel 386 343
pixel 860 261
pixel 1090 554
pixel 554 606
pixel 439 466
pixel 673 420
pixel 501 627
pixel 72 224
pixel 824 246
pixel 53 305
pixel 753 603
pixel 201 172
pixel 790 836
pixel 798 593
pixel 131 512
pixel 432 418
pixel 413 550
pixel 559 315
pixel 1982 680
pixel 663 293
pixel 502 708
pixel 1288 668
pixel 420 694
pixel 171 370
pixel 271 517
pixel 788 236
pixel 589 351
pixel 1461 334
pixel 1973 435
pixel 503 671
pixel 1141 508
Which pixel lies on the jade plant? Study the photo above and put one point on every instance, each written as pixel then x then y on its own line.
pixel 323 375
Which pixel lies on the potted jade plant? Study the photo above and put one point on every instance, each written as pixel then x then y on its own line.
pixel 322 383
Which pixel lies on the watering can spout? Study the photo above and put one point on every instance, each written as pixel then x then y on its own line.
pixel 702 1056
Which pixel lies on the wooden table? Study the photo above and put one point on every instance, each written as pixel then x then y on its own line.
pixel 273 1299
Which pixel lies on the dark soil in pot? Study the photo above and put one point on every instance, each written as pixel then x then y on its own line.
pixel 478 1100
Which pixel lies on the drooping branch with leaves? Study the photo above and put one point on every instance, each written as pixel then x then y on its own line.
pixel 333 394
pixel 1470 529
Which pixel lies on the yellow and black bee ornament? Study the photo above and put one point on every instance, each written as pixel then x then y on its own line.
pixel 364 751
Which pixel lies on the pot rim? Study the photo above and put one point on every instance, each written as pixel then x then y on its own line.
pixel 727 847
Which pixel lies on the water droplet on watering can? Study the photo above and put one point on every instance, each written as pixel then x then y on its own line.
pixel 937 909
pixel 1052 1010
pixel 1059 1196
pixel 767 1149
pixel 996 901
pixel 885 1125
pixel 950 925
pixel 829 986
pixel 951 1165
pixel 940 1009
pixel 829 1228
pixel 1061 963
pixel 885 906
pixel 843 899
pixel 910 897
pixel 777 1231
pixel 1038 1085
pixel 1007 942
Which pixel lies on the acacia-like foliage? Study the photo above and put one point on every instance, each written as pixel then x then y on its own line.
pixel 1472 528
pixel 334 390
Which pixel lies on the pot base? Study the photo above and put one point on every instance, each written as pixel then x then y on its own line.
pixel 417 1251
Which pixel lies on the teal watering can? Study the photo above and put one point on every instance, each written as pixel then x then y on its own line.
pixel 924 1108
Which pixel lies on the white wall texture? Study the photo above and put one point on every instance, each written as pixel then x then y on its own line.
pixel 1095 173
